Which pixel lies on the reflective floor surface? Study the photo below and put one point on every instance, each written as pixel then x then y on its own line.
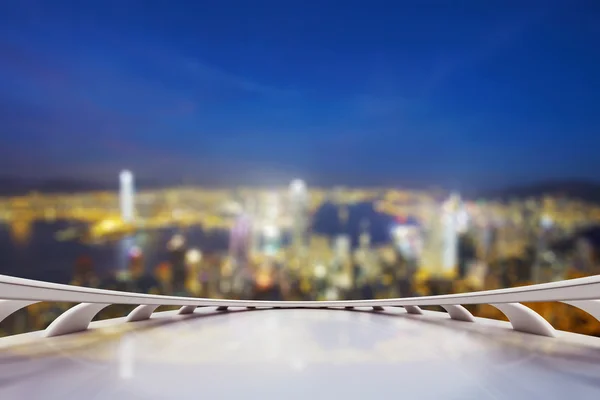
pixel 300 354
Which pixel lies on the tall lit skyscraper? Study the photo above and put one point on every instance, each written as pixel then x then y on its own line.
pixel 270 237
pixel 440 250
pixel 240 238
pixel 450 233
pixel 343 248
pixel 177 256
pixel 126 195
pixel 251 211
pixel 299 211
pixel 240 242
pixel 271 240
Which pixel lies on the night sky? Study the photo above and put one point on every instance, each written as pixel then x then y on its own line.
pixel 480 93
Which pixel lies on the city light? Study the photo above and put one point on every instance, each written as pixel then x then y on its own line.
pixel 108 225
pixel 126 177
pixel 320 271
pixel 297 186
pixel 399 231
pixel 546 221
pixel 135 252
pixel 271 231
pixel 193 256
pixel 462 220
pixel 176 242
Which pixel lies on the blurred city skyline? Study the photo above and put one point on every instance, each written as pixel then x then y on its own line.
pixel 490 94
pixel 295 242
pixel 573 189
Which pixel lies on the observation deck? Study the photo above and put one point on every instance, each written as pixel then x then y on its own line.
pixel 296 350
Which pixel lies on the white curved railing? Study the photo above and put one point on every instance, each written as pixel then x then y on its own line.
pixel 17 293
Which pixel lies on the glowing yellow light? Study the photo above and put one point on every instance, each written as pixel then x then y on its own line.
pixel 320 271
pixel 193 256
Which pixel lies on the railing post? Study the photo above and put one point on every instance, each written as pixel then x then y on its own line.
pixel 591 307
pixel 75 319
pixel 8 307
pixel 141 313
pixel 459 313
pixel 413 310
pixel 186 310
pixel 524 319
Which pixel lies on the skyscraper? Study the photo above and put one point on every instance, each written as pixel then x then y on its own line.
pixel 441 244
pixel 343 248
pixel 251 211
pixel 450 233
pixel 126 194
pixel 270 234
pixel 299 211
pixel 177 250
pixel 240 239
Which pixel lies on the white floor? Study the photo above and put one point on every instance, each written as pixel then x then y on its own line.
pixel 300 354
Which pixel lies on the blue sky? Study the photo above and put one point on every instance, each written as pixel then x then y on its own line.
pixel 466 93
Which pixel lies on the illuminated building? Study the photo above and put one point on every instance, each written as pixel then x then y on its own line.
pixel 342 274
pixel 342 247
pixel 126 196
pixel 546 225
pixel 240 240
pixel 250 206
pixel 462 218
pixel 271 210
pixel 365 257
pixel 299 212
pixel 193 257
pixel 272 240
pixel 177 259
pixel 407 238
pixel 268 227
pixel 450 234
pixel 440 250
